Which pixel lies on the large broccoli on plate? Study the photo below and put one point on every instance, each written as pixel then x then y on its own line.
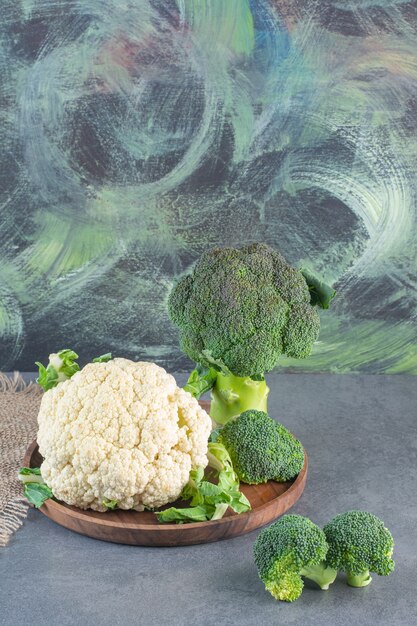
pixel 261 449
pixel 238 312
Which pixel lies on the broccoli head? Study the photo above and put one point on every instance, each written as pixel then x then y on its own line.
pixel 291 548
pixel 359 544
pixel 261 449
pixel 244 308
pixel 238 312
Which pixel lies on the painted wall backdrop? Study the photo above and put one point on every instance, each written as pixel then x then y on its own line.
pixel 138 133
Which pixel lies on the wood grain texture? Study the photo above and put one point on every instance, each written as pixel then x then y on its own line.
pixel 269 501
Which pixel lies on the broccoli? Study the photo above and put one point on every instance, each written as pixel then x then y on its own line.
pixel 261 449
pixel 359 543
pixel 291 548
pixel 238 312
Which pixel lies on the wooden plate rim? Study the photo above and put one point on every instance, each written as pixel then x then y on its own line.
pixel 53 504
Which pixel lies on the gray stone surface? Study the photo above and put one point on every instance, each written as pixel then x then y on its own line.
pixel 360 433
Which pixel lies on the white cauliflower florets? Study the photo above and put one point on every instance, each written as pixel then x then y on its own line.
pixel 120 431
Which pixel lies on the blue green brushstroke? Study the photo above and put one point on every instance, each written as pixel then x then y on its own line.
pixel 136 136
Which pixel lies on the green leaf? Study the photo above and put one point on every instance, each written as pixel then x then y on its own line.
pixel 220 510
pixel 48 376
pixel 30 475
pixel 207 499
pixel 210 492
pixel 321 294
pixel 103 358
pixel 37 493
pixel 190 514
pixel 61 366
pixel 200 381
pixel 68 367
pixel 28 471
pixel 217 364
pixel 214 435
pixel 110 504
pixel 191 490
pixel 197 475
pixel 219 458
pixel 239 502
pixel 67 355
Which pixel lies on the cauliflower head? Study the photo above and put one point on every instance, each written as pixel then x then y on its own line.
pixel 123 431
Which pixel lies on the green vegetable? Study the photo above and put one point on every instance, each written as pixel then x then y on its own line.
pixel 228 482
pixel 220 510
pixel 359 544
pixel 35 489
pixel 200 381
pixel 238 312
pixel 291 548
pixel 61 366
pixel 219 459
pixel 30 475
pixel 233 395
pixel 30 471
pixel 37 493
pixel 103 358
pixel 214 435
pixel 209 500
pixel 261 449
pixel 190 514
pixel 110 504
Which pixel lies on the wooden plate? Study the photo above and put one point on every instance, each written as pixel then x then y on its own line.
pixel 268 501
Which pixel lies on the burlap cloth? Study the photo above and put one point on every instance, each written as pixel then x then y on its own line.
pixel 19 406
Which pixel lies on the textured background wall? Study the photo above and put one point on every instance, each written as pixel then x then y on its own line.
pixel 135 134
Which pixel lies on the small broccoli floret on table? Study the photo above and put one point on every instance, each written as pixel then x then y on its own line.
pixel 286 551
pixel 238 312
pixel 359 544
pixel 261 449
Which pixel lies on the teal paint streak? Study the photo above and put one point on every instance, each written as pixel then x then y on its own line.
pixel 136 136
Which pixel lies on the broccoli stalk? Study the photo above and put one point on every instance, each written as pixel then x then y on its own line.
pixel 322 575
pixel 358 580
pixel 232 395
pixel 238 312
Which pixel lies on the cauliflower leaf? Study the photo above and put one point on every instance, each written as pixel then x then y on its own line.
pixel 62 365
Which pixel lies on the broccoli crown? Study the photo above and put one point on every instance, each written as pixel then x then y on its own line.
pixel 261 449
pixel 282 550
pixel 245 308
pixel 358 541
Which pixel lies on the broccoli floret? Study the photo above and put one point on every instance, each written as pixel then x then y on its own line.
pixel 261 449
pixel 291 548
pixel 359 544
pixel 238 312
